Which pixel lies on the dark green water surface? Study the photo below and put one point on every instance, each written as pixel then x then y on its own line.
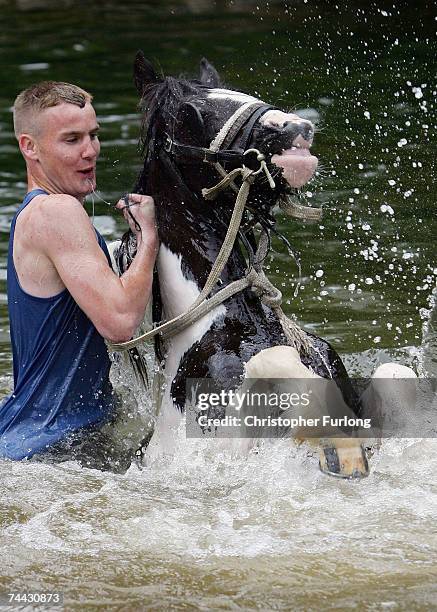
pixel 367 73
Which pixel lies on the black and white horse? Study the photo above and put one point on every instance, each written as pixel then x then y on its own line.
pixel 181 119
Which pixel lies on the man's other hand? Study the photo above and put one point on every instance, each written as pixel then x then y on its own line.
pixel 139 212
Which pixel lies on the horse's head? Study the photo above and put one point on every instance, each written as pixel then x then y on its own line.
pixel 198 121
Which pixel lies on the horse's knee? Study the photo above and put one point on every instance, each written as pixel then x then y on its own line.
pixel 277 362
pixel 342 457
pixel 393 370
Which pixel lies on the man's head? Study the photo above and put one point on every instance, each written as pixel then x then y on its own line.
pixel 30 102
pixel 56 129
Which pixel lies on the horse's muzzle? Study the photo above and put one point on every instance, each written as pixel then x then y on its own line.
pixel 299 134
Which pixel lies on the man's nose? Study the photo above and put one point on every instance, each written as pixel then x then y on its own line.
pixel 305 129
pixel 90 151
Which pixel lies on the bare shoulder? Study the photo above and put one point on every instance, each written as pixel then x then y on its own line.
pixel 56 215
pixel 59 204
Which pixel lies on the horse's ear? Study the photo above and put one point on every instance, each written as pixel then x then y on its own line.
pixel 144 73
pixel 208 74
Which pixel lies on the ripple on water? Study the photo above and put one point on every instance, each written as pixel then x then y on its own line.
pixel 34 67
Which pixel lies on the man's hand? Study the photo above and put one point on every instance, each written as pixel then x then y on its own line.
pixel 139 212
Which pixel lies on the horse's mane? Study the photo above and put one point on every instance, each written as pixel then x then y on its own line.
pixel 163 97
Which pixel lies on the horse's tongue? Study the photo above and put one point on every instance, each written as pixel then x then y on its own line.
pixel 294 151
pixel 298 165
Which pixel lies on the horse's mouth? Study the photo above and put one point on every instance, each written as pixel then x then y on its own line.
pixel 304 151
pixel 290 152
pixel 297 163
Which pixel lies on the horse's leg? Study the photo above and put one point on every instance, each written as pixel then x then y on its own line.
pixel 342 457
pixel 390 397
pixel 327 363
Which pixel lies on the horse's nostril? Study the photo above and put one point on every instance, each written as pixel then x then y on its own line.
pixel 291 127
pixel 304 129
pixel 307 132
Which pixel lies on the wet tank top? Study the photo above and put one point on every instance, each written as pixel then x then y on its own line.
pixel 60 363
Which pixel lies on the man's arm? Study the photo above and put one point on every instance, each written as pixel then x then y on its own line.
pixel 114 304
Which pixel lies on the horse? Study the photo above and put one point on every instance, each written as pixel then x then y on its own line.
pixel 204 147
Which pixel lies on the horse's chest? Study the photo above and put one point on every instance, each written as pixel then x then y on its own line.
pixel 177 295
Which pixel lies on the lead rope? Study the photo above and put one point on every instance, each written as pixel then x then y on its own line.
pixel 201 305
pixel 255 278
pixel 272 296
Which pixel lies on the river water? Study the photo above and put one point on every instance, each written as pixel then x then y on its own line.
pixel 199 529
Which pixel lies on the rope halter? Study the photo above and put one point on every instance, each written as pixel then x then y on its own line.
pixel 241 123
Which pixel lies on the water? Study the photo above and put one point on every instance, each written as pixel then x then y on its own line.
pixel 200 529
pixel 205 532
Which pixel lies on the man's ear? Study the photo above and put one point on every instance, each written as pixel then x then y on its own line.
pixel 28 147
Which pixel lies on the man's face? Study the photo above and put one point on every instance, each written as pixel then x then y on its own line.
pixel 68 147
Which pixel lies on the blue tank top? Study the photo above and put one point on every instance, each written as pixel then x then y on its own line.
pixel 61 367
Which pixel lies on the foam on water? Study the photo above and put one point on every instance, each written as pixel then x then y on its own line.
pixel 199 507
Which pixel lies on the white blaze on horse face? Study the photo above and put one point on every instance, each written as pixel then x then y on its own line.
pixel 232 96
pixel 277 118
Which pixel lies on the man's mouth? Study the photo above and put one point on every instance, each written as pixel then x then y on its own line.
pixel 88 172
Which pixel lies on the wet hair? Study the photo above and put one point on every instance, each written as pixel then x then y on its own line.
pixel 44 95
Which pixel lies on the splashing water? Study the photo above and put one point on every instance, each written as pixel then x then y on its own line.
pixel 199 528
pixel 428 351
pixel 201 517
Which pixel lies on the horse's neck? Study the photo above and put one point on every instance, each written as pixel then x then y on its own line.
pixel 191 232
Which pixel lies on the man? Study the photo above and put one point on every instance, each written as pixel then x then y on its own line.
pixel 63 296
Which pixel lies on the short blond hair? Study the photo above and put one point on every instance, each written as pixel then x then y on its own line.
pixel 43 95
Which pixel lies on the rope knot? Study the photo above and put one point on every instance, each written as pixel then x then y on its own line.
pixel 274 300
pixel 246 174
pixel 263 288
